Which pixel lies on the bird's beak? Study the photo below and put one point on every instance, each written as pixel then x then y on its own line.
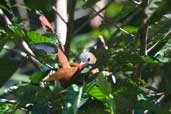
pixel 81 65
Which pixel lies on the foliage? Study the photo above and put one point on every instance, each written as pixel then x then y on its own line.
pixel 114 88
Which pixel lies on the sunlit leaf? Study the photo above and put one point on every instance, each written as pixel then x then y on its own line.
pixel 114 9
pixel 16 31
pixel 37 77
pixel 36 37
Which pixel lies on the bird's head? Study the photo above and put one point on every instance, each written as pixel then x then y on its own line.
pixel 86 58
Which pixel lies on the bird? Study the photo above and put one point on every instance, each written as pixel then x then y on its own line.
pixel 68 70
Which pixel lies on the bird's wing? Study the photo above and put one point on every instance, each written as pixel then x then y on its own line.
pixel 63 59
pixel 63 74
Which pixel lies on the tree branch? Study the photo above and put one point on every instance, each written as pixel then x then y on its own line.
pixel 143 34
pixel 158 42
pixel 64 20
pixel 70 26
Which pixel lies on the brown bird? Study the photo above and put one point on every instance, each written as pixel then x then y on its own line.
pixel 68 70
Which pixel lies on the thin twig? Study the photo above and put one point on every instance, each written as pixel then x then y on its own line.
pixel 158 42
pixel 156 102
pixel 65 21
pixel 86 22
pixel 117 26
pixel 125 21
pixel 25 55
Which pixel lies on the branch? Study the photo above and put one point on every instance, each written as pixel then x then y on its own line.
pixel 65 21
pixel 156 102
pixel 158 42
pixel 86 22
pixel 111 23
pixel 70 26
pixel 125 21
pixel 143 34
pixel 25 55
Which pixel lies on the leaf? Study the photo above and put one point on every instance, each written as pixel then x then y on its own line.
pixel 131 28
pixel 16 31
pixel 7 68
pixel 36 37
pixel 37 77
pixel 96 93
pixel 148 59
pixel 4 108
pixel 159 28
pixel 113 9
pixel 163 55
pixel 25 94
pixel 72 99
pixel 40 109
pixel 102 83
pixel 2 43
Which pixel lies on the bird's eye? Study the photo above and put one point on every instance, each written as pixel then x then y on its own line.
pixel 88 59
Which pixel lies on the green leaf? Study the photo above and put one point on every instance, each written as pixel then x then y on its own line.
pixel 159 29
pixel 8 67
pixel 4 108
pixel 96 93
pixel 85 70
pixel 16 31
pixel 36 37
pixel 148 59
pixel 111 106
pixel 105 98
pixel 114 9
pixel 40 109
pixel 131 28
pixel 25 94
pixel 37 77
pixel 2 43
pixel 72 99
pixel 102 83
